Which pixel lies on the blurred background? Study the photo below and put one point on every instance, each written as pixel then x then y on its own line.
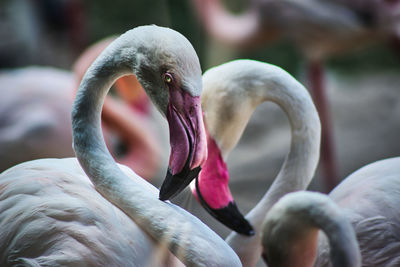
pixel 361 85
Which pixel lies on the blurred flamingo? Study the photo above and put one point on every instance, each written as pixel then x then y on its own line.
pixel 290 232
pixel 368 199
pixel 35 116
pixel 319 28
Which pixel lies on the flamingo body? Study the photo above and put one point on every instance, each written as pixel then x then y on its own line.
pixel 370 198
pixel 53 216
pixel 320 28
pixel 34 115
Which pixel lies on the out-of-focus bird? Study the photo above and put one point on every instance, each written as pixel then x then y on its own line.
pixel 290 232
pixel 320 28
pixel 368 199
pixel 117 203
pixel 231 93
pixel 35 116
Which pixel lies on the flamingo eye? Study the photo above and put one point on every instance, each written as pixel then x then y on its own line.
pixel 168 78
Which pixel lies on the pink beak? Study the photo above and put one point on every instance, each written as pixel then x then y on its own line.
pixel 188 142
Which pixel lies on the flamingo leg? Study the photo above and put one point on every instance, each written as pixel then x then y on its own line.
pixel 328 155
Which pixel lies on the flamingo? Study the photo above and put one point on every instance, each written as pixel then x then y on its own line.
pixel 47 133
pixel 45 230
pixel 34 115
pixel 319 28
pixel 231 92
pixel 368 198
pixel 290 232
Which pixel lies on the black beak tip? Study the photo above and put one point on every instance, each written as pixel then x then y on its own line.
pixel 239 224
pixel 232 218
pixel 166 191
pixel 246 229
pixel 174 184
pixel 229 215
pixel 163 196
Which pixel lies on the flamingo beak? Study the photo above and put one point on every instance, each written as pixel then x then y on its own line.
pixel 188 142
pixel 229 215
pixel 211 189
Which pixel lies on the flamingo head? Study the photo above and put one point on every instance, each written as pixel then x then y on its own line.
pixel 187 139
pixel 167 67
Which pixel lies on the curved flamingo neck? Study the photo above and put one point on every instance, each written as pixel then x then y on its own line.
pixel 120 118
pixel 251 83
pixel 231 95
pixel 185 236
pixel 301 161
pixel 142 153
pixel 299 165
pixel 89 144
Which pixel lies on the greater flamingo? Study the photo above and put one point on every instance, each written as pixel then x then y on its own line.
pixel 231 93
pixel 290 232
pixel 319 28
pixel 35 114
pixel 46 132
pixel 368 198
pixel 168 69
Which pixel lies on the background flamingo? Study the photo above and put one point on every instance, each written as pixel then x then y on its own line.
pixel 367 199
pixel 168 225
pixel 290 232
pixel 46 132
pixel 319 28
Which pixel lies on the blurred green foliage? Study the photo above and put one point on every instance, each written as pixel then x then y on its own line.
pixel 381 56
pixel 112 17
pixel 115 17
pixel 102 18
